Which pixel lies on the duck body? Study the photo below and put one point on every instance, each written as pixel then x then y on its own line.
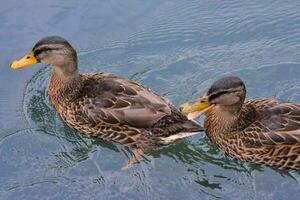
pixel 266 131
pixel 263 131
pixel 117 109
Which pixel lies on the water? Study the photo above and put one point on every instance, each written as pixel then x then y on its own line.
pixel 176 47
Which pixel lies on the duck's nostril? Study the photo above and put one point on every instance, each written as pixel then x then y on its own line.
pixel 28 57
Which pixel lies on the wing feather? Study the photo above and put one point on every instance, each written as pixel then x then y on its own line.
pixel 117 100
pixel 277 123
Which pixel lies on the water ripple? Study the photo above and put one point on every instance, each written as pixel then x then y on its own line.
pixel 178 48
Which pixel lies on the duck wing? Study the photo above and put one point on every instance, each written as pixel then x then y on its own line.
pixel 117 100
pixel 277 123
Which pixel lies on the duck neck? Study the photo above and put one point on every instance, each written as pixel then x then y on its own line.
pixel 68 70
pixel 220 122
pixel 64 75
pixel 64 84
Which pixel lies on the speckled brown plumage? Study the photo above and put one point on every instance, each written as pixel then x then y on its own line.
pixel 106 106
pixel 264 131
pixel 114 108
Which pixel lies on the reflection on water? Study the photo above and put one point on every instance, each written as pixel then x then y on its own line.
pixel 178 48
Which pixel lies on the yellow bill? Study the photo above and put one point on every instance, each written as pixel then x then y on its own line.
pixel 26 61
pixel 197 108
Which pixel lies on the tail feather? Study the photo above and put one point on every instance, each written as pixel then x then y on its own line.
pixel 174 138
pixel 192 126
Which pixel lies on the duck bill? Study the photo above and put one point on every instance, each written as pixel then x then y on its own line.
pixel 26 61
pixel 197 108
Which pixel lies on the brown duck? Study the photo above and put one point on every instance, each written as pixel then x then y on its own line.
pixel 107 106
pixel 264 131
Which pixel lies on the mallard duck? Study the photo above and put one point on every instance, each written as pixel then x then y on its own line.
pixel 263 131
pixel 107 106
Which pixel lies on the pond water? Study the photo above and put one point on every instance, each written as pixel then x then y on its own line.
pixel 176 47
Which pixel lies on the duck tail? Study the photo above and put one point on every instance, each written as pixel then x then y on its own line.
pixel 191 128
pixel 174 138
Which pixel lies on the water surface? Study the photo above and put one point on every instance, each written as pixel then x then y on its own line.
pixel 176 47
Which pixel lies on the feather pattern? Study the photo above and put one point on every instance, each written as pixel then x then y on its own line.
pixel 266 131
pixel 107 106
pixel 117 109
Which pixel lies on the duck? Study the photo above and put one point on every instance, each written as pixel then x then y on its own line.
pixel 107 106
pixel 262 131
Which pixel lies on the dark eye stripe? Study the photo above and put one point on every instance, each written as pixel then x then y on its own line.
pixel 213 96
pixel 38 51
pixel 218 94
